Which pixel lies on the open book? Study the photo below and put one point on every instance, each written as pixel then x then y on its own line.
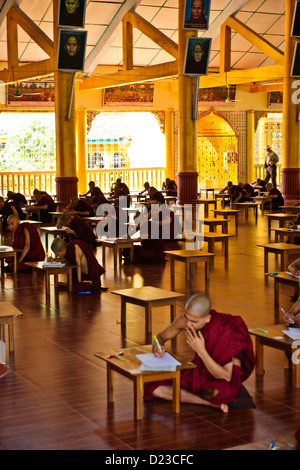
pixel 165 363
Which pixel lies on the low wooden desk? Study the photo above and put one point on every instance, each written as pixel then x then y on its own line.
pixel 207 190
pixel 117 244
pixel 282 233
pixel 285 279
pixel 130 368
pixel 226 213
pixel 222 196
pixel 211 238
pixel 7 252
pixel 246 206
pixel 7 314
pixel 262 200
pixel 147 297
pixel 276 339
pixel 282 249
pixel 47 271
pixel 189 257
pixel 55 216
pixel 30 209
pixel 291 209
pixel 52 231
pixel 207 203
pixel 213 222
pixel 281 218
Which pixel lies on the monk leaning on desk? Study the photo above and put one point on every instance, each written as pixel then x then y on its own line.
pixel 76 227
pixel 27 239
pixel 223 354
pixel 87 275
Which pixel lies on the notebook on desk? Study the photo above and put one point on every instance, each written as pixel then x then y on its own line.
pixel 52 264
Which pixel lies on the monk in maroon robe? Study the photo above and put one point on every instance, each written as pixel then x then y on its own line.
pixel 17 198
pixel 223 354
pixel 96 194
pixel 87 275
pixel 46 204
pixel 8 208
pixel 80 207
pixel 76 227
pixel 27 239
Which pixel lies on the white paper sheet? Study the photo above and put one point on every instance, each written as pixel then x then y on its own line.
pixel 293 333
pixel 165 363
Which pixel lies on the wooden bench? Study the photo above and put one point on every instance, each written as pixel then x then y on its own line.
pixel 188 257
pixel 129 367
pixel 206 203
pixel 272 336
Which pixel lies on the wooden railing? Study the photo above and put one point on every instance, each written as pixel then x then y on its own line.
pixel 25 181
pixel 260 172
pixel 133 177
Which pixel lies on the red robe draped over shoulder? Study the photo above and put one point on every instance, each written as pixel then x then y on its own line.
pixel 226 336
pixel 36 252
pixel 83 230
pixel 95 270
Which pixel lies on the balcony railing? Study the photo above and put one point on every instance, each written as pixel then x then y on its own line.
pixel 26 181
pixel 260 172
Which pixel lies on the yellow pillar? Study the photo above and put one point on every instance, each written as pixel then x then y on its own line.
pixel 65 127
pixel 187 128
pixel 169 137
pixel 290 126
pixel 81 133
pixel 250 146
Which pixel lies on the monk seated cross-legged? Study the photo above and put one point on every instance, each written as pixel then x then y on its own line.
pixel 76 227
pixel 27 239
pixel 86 278
pixel 223 354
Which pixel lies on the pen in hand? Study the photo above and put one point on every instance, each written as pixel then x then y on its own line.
pixel 287 316
pixel 158 345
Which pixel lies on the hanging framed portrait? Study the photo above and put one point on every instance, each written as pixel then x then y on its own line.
pixel 71 50
pixel 296 22
pixel 71 13
pixel 296 62
pixel 197 56
pixel 196 14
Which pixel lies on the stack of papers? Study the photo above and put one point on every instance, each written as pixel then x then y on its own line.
pixel 52 264
pixel 293 333
pixel 165 363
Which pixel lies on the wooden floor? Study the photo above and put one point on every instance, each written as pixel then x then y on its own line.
pixel 55 396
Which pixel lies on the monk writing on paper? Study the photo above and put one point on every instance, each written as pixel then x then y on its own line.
pixel 88 273
pixel 223 354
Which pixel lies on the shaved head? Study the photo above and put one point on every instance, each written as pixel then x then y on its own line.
pixel 58 245
pixel 13 217
pixel 199 303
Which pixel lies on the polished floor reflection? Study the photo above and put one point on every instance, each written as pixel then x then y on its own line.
pixel 55 396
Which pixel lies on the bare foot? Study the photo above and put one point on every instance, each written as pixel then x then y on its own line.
pixel 224 408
